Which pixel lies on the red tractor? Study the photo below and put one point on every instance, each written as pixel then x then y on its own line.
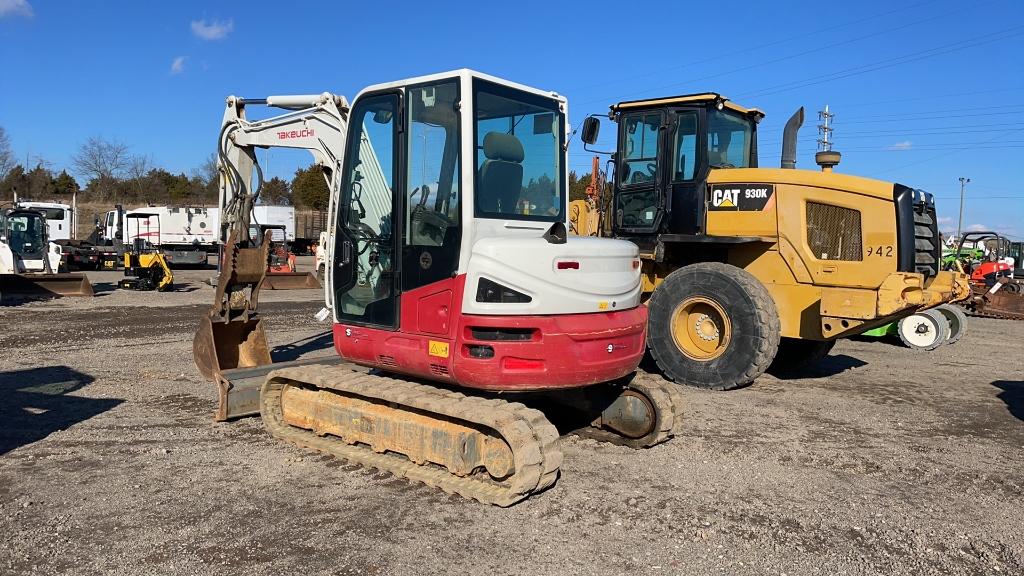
pixel 994 291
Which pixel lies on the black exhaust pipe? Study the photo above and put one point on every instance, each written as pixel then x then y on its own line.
pixel 789 138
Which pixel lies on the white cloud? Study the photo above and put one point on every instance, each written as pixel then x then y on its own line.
pixel 212 30
pixel 978 228
pixel 178 65
pixel 905 145
pixel 15 8
pixel 943 220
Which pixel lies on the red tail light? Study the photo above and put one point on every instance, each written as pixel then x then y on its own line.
pixel 636 264
pixel 509 363
pixel 568 265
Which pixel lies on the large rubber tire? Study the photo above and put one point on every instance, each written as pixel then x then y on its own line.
pixel 957 320
pixel 713 326
pixel 924 330
pixel 797 355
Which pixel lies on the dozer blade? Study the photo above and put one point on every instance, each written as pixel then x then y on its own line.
pixel 17 287
pixel 290 281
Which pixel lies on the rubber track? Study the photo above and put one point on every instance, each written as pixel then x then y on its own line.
pixel 668 407
pixel 533 440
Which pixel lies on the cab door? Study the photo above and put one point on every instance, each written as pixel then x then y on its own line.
pixel 365 270
pixel 640 202
pixel 685 173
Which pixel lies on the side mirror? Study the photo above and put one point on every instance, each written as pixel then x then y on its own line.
pixel 591 128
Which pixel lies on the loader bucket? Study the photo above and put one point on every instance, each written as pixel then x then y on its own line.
pixel 17 287
pixel 220 346
pixel 290 281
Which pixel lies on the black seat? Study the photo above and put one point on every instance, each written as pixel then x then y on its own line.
pixel 501 174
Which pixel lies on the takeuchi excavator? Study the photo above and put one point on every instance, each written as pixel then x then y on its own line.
pixel 449 263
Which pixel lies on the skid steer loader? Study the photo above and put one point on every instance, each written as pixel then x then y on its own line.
pixel 451 275
pixel 30 263
pixel 746 268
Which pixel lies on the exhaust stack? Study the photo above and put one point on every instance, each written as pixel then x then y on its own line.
pixel 789 139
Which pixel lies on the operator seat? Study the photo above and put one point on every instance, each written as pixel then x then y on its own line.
pixel 501 174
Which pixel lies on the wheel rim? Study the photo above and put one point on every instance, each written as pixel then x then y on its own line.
pixel 700 328
pixel 920 331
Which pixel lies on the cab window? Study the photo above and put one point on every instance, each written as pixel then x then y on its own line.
pixel 685 155
pixel 729 140
pixel 640 149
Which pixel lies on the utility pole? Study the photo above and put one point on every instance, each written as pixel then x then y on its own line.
pixel 960 220
pixel 825 130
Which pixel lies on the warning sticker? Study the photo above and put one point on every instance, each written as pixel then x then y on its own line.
pixel 740 197
pixel 439 349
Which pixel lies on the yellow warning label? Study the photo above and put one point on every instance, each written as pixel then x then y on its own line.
pixel 439 349
pixel 602 305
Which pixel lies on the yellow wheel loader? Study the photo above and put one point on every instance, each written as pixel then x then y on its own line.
pixel 746 268
pixel 145 267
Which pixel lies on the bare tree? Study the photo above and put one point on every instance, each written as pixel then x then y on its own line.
pixel 101 159
pixel 138 170
pixel 6 154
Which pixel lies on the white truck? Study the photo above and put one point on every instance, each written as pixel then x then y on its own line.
pixel 269 215
pixel 184 234
pixel 61 224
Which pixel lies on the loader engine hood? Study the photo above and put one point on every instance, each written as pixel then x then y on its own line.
pixel 533 276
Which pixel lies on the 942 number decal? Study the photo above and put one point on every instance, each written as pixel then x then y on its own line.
pixel 880 250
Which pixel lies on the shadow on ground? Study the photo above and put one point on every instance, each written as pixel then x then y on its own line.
pixel 35 403
pixel 1013 395
pixel 294 350
pixel 829 366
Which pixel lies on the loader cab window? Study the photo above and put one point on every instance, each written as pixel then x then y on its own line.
pixel 26 234
pixel 730 138
pixel 640 149
pixel 519 161
pixel 685 150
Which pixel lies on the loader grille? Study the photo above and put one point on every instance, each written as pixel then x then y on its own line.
pixel 918 237
pixel 834 232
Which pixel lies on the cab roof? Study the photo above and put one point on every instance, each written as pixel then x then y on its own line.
pixel 700 98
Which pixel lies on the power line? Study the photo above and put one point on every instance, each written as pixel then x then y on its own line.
pixel 757 48
pixel 890 62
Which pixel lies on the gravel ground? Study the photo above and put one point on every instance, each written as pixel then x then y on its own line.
pixel 882 461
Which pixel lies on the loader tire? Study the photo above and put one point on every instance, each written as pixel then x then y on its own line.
pixel 797 355
pixel 957 320
pixel 713 326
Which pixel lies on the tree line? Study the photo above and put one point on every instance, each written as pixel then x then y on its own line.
pixel 113 175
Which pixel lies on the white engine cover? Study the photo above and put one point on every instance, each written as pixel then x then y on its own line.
pixel 607 278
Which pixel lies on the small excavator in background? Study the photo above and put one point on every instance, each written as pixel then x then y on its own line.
pixel 30 265
pixel 450 313
pixel 281 273
pixel 995 293
pixel 145 267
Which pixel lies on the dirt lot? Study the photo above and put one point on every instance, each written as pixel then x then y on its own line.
pixel 884 461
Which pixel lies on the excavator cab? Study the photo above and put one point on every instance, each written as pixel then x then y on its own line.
pixel 145 267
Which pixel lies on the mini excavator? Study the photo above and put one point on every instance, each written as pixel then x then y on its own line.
pixel 456 294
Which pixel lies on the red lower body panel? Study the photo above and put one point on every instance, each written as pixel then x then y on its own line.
pixel 509 353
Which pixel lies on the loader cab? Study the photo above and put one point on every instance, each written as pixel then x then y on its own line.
pixel 665 150
pixel 24 231
pixel 431 165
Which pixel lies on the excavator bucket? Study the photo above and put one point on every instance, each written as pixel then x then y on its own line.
pixel 220 346
pixel 19 287
pixel 290 281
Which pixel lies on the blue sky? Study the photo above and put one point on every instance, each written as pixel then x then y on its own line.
pixel 923 92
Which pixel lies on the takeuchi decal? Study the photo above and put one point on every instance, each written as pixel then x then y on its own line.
pixel 304 133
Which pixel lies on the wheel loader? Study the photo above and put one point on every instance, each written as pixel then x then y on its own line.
pixel 746 268
pixel 455 291
pixel 30 263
